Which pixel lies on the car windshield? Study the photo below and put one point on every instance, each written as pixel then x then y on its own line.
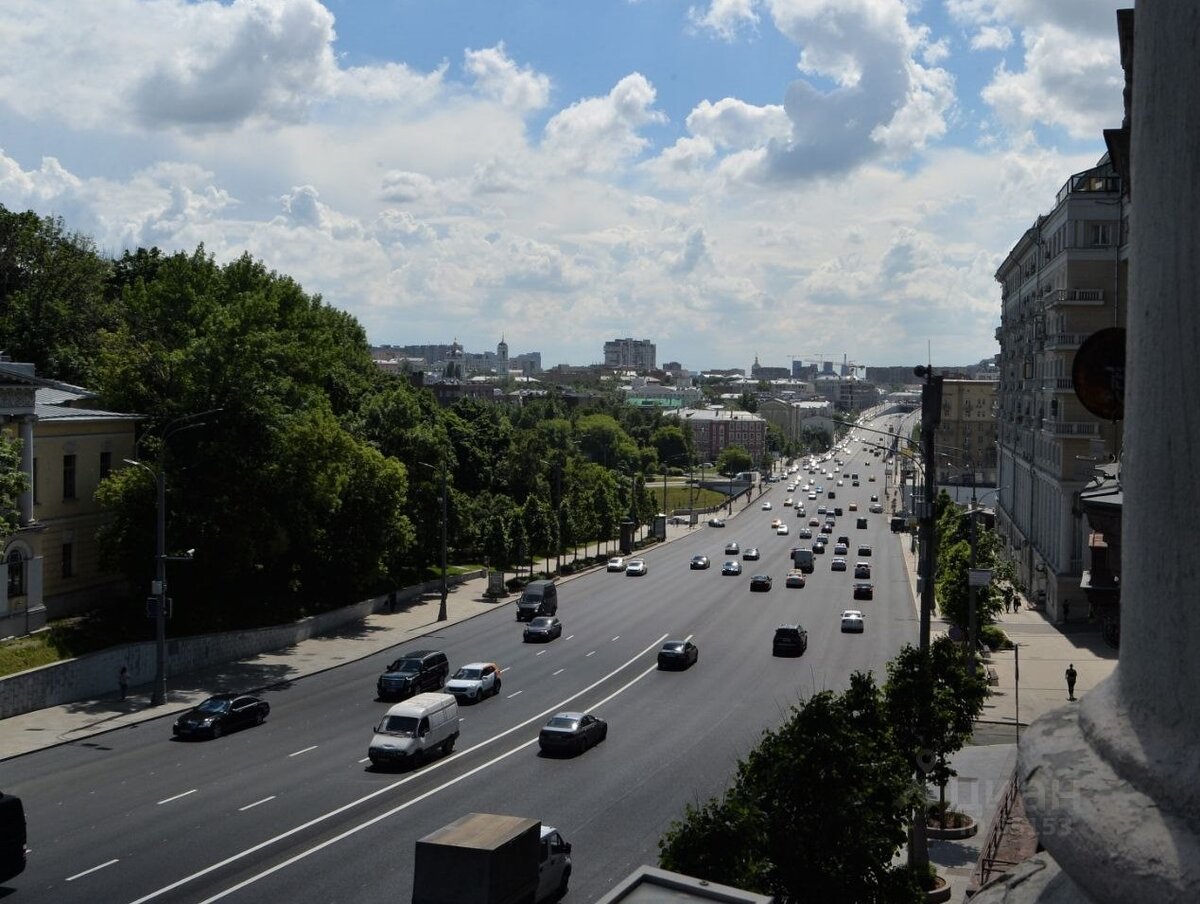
pixel 540 623
pixel 214 706
pixel 401 726
pixel 469 674
pixel 405 666
pixel 563 722
pixel 672 647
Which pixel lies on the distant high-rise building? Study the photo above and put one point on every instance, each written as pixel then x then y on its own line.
pixel 639 354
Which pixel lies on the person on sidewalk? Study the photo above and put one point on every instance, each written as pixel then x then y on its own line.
pixel 123 681
pixel 1071 676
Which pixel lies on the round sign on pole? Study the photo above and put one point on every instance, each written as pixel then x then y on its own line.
pixel 1098 373
pixel 956 633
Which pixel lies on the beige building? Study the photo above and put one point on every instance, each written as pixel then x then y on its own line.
pixel 793 418
pixel 1062 282
pixel 966 437
pixel 52 564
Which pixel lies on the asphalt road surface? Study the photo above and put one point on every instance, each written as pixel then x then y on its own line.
pixel 291 810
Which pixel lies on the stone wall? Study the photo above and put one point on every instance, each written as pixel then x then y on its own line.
pixel 95 675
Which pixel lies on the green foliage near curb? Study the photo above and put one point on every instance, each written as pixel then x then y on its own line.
pixel 23 653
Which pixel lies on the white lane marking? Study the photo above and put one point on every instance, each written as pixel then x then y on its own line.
pixel 255 804
pixel 618 637
pixel 505 669
pixel 408 803
pixel 593 653
pixel 439 764
pixel 540 652
pixel 559 672
pixel 568 637
pixel 365 759
pixel 305 750
pixel 514 693
pixel 176 797
pixel 92 870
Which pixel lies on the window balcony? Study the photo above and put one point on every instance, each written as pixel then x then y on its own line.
pixel 1058 384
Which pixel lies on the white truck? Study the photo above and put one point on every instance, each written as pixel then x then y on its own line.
pixel 482 858
pixel 803 559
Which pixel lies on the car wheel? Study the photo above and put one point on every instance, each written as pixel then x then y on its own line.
pixel 496 688
pixel 562 886
pixel 449 744
pixel 583 745
pixel 216 731
pixel 259 717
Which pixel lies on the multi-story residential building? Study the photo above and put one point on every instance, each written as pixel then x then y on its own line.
pixel 846 393
pixel 966 438
pixel 793 418
pixel 638 354
pixel 715 429
pixel 1063 281
pixel 52 563
pixel 766 372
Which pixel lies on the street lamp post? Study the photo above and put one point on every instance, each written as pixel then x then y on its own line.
pixel 158 589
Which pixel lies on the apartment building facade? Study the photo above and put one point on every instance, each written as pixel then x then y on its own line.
pixel 966 437
pixel 638 354
pixel 1064 281
pixel 715 429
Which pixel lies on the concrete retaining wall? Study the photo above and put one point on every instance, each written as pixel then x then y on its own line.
pixel 95 675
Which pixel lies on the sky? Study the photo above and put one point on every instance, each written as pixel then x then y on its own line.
pixel 731 179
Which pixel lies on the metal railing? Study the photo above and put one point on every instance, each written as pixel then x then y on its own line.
pixel 988 856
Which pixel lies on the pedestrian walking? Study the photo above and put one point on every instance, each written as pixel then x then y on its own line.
pixel 123 681
pixel 1071 675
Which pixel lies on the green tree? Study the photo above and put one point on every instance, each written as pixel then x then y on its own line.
pixel 932 701
pixel 13 482
pixel 53 311
pixel 748 401
pixel 733 460
pixel 815 813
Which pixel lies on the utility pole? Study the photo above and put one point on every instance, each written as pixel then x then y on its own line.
pixel 442 615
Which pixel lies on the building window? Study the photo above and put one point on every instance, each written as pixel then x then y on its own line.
pixel 68 477
pixel 68 559
pixel 1099 234
pixel 16 574
pixel 105 464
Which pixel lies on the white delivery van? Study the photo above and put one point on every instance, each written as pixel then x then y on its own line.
pixel 413 730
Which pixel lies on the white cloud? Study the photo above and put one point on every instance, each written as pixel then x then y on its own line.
pixel 883 99
pixel 596 134
pixel 725 18
pixel 992 37
pixel 1066 82
pixel 498 77
pixel 732 123
pixel 401 187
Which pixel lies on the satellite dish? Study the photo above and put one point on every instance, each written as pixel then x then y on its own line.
pixel 1098 373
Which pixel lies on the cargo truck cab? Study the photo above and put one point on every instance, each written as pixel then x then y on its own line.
pixel 554 865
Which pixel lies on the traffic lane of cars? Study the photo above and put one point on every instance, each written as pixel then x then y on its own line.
pixel 359 742
pixel 670 741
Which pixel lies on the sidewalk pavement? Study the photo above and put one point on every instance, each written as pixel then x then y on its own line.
pixel 75 721
pixel 1043 652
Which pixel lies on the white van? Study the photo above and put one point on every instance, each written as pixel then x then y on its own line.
pixel 411 731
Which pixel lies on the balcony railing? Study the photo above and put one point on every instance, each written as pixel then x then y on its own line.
pixel 1078 296
pixel 1058 384
pixel 1070 428
pixel 1064 340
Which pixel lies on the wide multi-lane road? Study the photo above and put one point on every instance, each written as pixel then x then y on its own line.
pixel 290 810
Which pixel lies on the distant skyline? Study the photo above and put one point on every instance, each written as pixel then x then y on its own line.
pixel 728 178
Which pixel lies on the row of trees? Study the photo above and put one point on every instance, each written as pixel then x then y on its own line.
pixel 818 810
pixel 305 477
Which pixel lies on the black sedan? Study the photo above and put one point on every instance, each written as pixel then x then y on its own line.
pixel 700 562
pixel 544 627
pixel 677 654
pixel 760 582
pixel 572 733
pixel 220 714
pixel 864 591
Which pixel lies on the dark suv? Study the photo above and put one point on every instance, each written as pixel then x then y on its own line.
pixel 412 673
pixel 790 640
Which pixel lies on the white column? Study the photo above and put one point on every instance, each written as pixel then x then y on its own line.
pixel 1113 783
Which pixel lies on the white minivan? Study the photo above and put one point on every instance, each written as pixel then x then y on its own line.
pixel 411 731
